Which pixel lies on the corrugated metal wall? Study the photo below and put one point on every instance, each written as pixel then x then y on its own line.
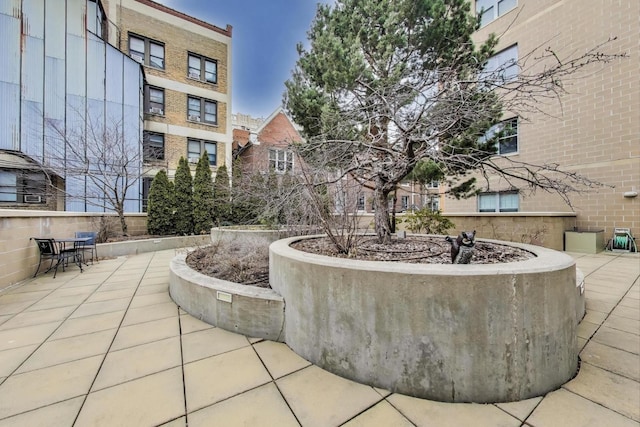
pixel 62 82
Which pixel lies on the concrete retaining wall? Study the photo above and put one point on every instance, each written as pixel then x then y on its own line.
pixel 472 333
pixel 132 247
pixel 248 310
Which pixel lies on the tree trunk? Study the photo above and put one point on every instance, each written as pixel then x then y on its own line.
pixel 381 216
pixel 123 221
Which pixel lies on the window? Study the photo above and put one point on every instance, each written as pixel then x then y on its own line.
pixel 499 202
pixel 98 26
pixel 202 110
pixel 405 202
pixel 490 10
pixel 146 186
pixel 196 147
pixel 503 66
pixel 155 97
pixel 507 132
pixel 153 146
pixel 8 186
pixel 433 184
pixel 201 68
pixel 360 205
pixel 280 161
pixel 22 187
pixel 146 51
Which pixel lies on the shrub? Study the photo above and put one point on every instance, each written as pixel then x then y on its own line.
pixel 160 207
pixel 427 221
pixel 183 200
pixel 222 196
pixel 203 197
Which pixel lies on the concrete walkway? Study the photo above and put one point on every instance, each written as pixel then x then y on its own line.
pixel 108 347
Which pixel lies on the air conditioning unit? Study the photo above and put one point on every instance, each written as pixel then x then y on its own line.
pixel 137 57
pixel 194 75
pixel 32 198
pixel 193 160
pixel 156 110
pixel 194 118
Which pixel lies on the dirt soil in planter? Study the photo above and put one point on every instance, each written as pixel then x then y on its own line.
pixel 248 262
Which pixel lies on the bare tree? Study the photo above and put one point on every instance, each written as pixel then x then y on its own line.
pixel 101 160
pixel 388 83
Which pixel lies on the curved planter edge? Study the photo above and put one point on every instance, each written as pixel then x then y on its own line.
pixel 247 310
pixel 473 333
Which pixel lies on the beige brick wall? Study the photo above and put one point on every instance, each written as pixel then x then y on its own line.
pixel 595 129
pixel 178 41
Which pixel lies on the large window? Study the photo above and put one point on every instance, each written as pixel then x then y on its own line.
pixel 146 186
pixel 153 146
pixel 503 66
pixel 146 51
pixel 507 133
pixel 202 110
pixel 155 97
pixel 201 68
pixel 280 161
pixel 22 187
pixel 492 9
pixel 196 147
pixel 98 26
pixel 499 202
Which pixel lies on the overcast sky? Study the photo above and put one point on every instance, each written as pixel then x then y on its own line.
pixel 265 34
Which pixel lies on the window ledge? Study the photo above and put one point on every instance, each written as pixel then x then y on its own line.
pixel 215 125
pixel 202 81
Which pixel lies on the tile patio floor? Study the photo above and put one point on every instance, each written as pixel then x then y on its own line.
pixel 108 347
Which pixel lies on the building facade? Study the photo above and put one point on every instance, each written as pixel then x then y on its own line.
pixel 96 72
pixel 593 130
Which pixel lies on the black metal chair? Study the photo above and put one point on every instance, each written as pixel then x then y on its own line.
pixel 89 245
pixel 50 250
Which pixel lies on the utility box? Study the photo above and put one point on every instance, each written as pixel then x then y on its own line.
pixel 584 241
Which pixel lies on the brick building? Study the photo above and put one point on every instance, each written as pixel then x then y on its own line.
pixel 594 131
pixel 187 94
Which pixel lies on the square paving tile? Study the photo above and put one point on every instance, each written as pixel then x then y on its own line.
pixel 216 378
pixel 608 389
pixel 279 359
pixel 54 302
pixel 522 409
pixel 154 312
pixel 15 307
pixel 179 422
pixel 586 329
pixel 93 308
pixel 594 317
pixel 190 324
pixel 383 414
pixel 320 398
pixel 19 337
pixel 612 359
pixel 566 409
pixel 209 342
pixel 58 414
pixel 136 362
pixel 106 295
pixel 429 413
pixel 597 305
pixel 68 349
pixel 630 313
pixel 31 390
pixel 143 333
pixel 148 401
pixel 28 318
pixel 153 289
pixel 11 359
pixel 261 406
pixel 88 324
pixel 150 299
pixel 623 324
pixel 618 339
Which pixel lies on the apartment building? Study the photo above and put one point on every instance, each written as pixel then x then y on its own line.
pixel 187 94
pixel 148 76
pixel 594 130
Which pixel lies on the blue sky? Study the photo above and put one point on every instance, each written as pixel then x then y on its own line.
pixel 265 34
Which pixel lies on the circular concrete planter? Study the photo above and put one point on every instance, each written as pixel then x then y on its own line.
pixel 453 333
pixel 247 310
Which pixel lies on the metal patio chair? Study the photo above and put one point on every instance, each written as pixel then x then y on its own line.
pixel 89 245
pixel 50 250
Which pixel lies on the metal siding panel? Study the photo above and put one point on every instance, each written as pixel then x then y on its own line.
pixel 54 34
pixel 95 68
pixel 54 144
pixel 31 136
pixel 33 18
pixel 33 69
pixel 113 77
pixel 54 88
pixel 76 66
pixel 131 82
pixel 9 116
pixel 10 49
pixel 10 7
pixel 76 16
pixel 74 200
pixel 75 131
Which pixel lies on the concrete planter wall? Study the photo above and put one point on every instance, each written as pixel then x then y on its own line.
pixel 132 247
pixel 247 310
pixel 472 333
